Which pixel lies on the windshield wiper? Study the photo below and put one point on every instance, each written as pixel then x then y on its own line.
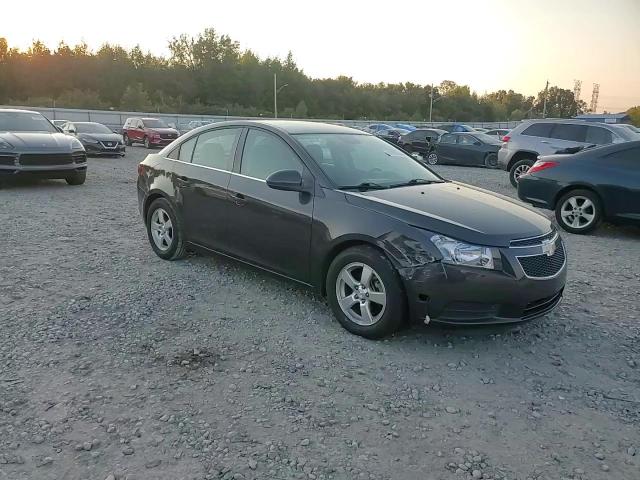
pixel 415 181
pixel 364 186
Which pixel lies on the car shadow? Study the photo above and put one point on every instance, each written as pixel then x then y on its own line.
pixel 25 182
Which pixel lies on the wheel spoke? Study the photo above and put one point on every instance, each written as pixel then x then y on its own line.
pixel 348 279
pixel 365 278
pixel 575 221
pixel 588 216
pixel 379 298
pixel 572 202
pixel 365 313
pixel 347 302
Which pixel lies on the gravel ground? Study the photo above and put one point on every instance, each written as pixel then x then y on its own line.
pixel 115 364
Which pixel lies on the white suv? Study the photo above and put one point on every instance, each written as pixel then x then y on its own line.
pixel 521 146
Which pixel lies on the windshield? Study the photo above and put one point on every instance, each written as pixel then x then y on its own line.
pixel 353 160
pixel 24 122
pixel 154 123
pixel 91 128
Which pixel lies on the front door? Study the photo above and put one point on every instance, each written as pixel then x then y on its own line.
pixel 621 187
pixel 267 227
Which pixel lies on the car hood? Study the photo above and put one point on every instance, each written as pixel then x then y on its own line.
pixel 457 210
pixel 101 137
pixel 40 142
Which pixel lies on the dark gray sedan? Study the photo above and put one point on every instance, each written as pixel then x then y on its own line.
pixel 30 145
pixel 96 138
pixel 464 148
pixel 375 231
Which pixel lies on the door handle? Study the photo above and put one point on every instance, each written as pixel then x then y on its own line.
pixel 183 178
pixel 238 198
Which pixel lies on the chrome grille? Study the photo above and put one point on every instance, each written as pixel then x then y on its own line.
pixel 529 242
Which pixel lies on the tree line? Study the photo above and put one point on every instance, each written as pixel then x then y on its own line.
pixel 210 74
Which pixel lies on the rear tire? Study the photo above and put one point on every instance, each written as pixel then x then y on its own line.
pixel 77 178
pixel 164 230
pixel 518 169
pixel 491 160
pixel 579 211
pixel 375 301
pixel 432 158
pixel 127 140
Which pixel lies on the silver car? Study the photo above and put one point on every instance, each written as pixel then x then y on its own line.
pixel 522 146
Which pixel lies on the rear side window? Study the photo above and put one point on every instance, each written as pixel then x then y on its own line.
pixel 569 131
pixel 466 140
pixel 265 153
pixel 448 138
pixel 538 130
pixel 186 150
pixel 599 136
pixel 216 148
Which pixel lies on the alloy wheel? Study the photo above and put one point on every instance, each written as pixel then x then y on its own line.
pixel 161 229
pixel 361 294
pixel 432 159
pixel 520 170
pixel 578 212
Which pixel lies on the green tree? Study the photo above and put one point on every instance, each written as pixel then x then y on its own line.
pixel 634 113
pixel 135 97
pixel 301 110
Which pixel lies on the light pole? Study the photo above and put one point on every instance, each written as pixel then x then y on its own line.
pixel 276 90
pixel 432 101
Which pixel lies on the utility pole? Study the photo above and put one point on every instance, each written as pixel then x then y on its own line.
pixel 275 94
pixel 431 102
pixel 544 108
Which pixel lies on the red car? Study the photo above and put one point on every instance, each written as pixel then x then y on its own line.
pixel 153 132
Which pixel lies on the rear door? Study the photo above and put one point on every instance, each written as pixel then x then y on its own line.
pixel 267 227
pixel 468 152
pixel 567 135
pixel 621 183
pixel 206 202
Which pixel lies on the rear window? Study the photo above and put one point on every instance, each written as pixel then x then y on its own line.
pixel 569 131
pixel 538 130
pixel 599 136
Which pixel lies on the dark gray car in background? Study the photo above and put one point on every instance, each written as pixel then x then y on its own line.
pixel 96 138
pixel 30 145
pixel 379 234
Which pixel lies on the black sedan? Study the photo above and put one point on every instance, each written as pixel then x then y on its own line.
pixel 366 225
pixel 462 148
pixel 30 145
pixel 587 187
pixel 96 138
pixel 421 140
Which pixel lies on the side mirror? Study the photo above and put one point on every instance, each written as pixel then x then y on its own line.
pixel 288 180
pixel 72 131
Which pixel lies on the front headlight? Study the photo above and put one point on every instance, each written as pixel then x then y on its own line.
pixel 4 145
pixel 460 253
pixel 75 143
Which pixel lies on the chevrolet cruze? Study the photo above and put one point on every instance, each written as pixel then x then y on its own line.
pixel 384 238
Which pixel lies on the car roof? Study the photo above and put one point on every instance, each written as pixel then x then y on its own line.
pixel 18 110
pixel 294 127
pixel 148 118
pixel 610 148
pixel 439 130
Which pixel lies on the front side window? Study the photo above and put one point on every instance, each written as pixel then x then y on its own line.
pixel 569 131
pixel 466 140
pixel 448 138
pixel 265 153
pixel 216 148
pixel 538 130
pixel 599 136
pixel 352 159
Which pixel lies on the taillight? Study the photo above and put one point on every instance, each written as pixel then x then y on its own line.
pixel 506 138
pixel 541 165
pixel 140 169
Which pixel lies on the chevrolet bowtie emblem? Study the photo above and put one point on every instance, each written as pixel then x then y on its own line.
pixel 548 248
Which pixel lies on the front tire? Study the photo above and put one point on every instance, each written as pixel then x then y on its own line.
pixel 579 211
pixel 365 292
pixel 518 169
pixel 77 178
pixel 147 144
pixel 127 140
pixel 164 230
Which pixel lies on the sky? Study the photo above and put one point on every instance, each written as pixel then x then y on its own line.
pixel 486 44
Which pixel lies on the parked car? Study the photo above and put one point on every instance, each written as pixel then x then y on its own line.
pixel 498 132
pixel 377 232
pixel 420 141
pixel 587 187
pixel 392 134
pixel 521 147
pixel 633 128
pixel 152 132
pixel 405 126
pixel 59 123
pixel 96 138
pixel 465 149
pixel 197 124
pixel 481 129
pixel 30 145
pixel 377 127
pixel 457 127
